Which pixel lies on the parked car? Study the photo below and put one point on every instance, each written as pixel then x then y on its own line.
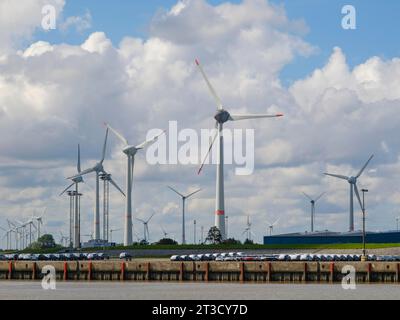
pixel 208 257
pixel 125 256
pixel 283 257
pixel 103 256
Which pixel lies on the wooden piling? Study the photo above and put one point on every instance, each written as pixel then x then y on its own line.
pixel 241 279
pixel 122 274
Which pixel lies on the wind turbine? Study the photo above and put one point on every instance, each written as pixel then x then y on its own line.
pixel 313 202
pixel 222 117
pixel 130 152
pixel 164 233
pixel 39 223
pixel 75 182
pixel 184 198
pixel 146 227
pixel 98 169
pixel 14 228
pixel 64 240
pixel 248 229
pixel 6 235
pixel 352 180
pixel 112 231
pixel 271 226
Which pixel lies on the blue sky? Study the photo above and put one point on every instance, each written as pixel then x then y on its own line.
pixel 377 24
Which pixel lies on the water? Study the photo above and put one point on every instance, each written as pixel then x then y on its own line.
pixel 192 291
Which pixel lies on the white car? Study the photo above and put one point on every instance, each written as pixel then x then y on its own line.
pixel 123 256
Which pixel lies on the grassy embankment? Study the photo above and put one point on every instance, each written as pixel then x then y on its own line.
pixel 232 247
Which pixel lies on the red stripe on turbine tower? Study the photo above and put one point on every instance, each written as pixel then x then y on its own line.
pixel 220 212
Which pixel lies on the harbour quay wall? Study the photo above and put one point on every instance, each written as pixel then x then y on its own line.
pixel 284 272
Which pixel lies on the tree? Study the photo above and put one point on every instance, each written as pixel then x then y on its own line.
pixel 248 241
pixel 167 241
pixel 214 236
pixel 232 241
pixel 44 242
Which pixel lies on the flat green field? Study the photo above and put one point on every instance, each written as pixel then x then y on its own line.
pixel 233 247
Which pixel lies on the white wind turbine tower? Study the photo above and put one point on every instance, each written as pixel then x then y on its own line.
pixel 184 198
pixel 248 229
pixel 98 169
pixel 130 152
pixel 75 182
pixel 271 226
pixel 222 117
pixel 313 202
pixel 146 232
pixel 353 189
pixel 7 235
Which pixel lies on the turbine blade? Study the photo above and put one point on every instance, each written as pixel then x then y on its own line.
pixel 116 186
pixel 239 117
pixel 119 136
pixel 146 143
pixel 85 172
pixel 210 87
pixel 320 196
pixel 140 220
pixel 150 218
pixel 193 193
pixel 79 159
pixel 103 156
pixel 209 151
pixel 337 176
pixel 365 166
pixel 276 222
pixel 308 196
pixel 358 195
pixel 66 189
pixel 176 192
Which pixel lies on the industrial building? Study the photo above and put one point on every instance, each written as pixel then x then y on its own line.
pixel 328 237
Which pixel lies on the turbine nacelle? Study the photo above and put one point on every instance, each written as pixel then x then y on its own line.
pixel 77 179
pixel 223 116
pixel 130 150
pixel 352 180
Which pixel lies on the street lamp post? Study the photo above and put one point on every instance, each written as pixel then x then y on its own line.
pixel 364 191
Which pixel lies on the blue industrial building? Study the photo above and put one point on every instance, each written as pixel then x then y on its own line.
pixel 327 237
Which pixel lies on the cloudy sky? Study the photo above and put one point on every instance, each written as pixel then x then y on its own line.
pixel 132 64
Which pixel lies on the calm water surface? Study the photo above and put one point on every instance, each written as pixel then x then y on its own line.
pixel 193 291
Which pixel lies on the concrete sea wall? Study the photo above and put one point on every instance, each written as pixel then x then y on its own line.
pixel 325 272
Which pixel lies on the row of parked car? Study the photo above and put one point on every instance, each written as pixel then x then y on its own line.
pixel 54 257
pixel 239 256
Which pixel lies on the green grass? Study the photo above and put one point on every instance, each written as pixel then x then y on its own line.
pixel 254 247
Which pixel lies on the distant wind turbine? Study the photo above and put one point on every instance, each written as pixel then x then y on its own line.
pixel 184 198
pixel 271 226
pixel 353 188
pixel 313 202
pixel 98 169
